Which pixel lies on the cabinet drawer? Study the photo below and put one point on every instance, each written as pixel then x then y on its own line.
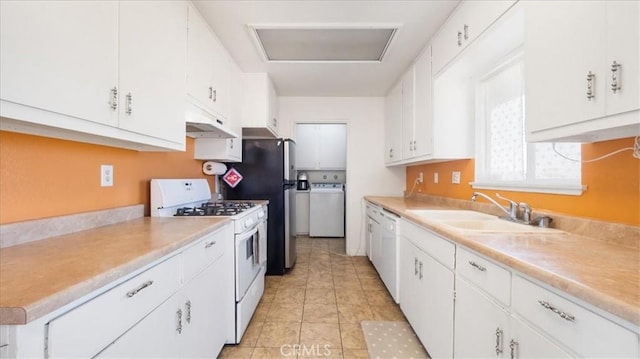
pixel 204 252
pixel 490 277
pixel 85 330
pixel 579 329
pixel 439 248
pixel 373 211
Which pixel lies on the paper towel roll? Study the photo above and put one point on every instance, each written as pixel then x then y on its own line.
pixel 213 168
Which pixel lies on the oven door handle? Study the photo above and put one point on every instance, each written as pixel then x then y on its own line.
pixel 256 248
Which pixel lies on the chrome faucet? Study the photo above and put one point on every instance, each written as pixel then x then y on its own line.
pixel 512 211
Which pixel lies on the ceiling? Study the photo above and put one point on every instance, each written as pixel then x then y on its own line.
pixel 417 21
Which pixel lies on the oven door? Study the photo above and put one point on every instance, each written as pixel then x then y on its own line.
pixel 262 237
pixel 247 260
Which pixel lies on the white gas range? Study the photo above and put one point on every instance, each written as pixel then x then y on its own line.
pixel 180 198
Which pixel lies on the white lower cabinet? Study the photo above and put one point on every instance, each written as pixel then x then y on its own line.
pixel 302 212
pixel 426 289
pixel 525 342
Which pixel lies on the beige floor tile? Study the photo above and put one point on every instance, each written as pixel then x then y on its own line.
pixel 285 312
pixel 235 352
pixel 278 334
pixel 387 312
pixel 348 282
pixel 292 294
pixel 372 284
pixel 250 336
pixel 321 283
pixel 272 281
pixel 355 353
pixel 260 315
pixel 291 282
pixel 379 297
pixel 269 294
pixel 321 352
pixel 320 313
pixel 274 353
pixel 349 313
pixel 352 336
pixel 350 296
pixel 315 295
pixel 321 335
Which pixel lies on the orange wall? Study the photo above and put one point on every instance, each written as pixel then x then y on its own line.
pixel 44 177
pixel 613 185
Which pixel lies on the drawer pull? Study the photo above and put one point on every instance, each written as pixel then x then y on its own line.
pixel 210 244
pixel 188 307
pixel 498 341
pixel 415 266
pixel 137 290
pixel 476 265
pixel 179 317
pixel 512 348
pixel 562 314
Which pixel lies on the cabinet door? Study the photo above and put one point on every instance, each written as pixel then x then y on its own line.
pixel 408 81
pixel 306 146
pixel 60 56
pixel 332 147
pixel 274 108
pixel 155 336
pixel 623 47
pixel 302 212
pixel 411 292
pixel 564 41
pixel 153 68
pixel 481 326
pixel 524 342
pixel 202 303
pixel 220 84
pixel 436 307
pixel 376 245
pixel 423 106
pixel 200 61
pixel 393 124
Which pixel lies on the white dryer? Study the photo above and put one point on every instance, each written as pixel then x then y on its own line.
pixel 326 210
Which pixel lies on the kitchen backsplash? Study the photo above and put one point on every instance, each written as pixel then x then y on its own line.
pixel 45 177
pixel 612 195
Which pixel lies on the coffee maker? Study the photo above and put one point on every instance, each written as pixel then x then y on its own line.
pixel 303 182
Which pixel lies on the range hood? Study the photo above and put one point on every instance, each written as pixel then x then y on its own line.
pixel 203 124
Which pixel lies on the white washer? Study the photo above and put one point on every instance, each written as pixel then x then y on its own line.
pixel 326 210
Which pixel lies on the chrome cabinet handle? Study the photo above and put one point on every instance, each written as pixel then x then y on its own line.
pixel 391 153
pixel 477 266
pixel 209 244
pixel 141 287
pixel 187 305
pixel 410 145
pixel 231 143
pixel 113 102
pixel 459 38
pixel 498 341
pixel 179 316
pixel 415 266
pixel 512 348
pixel 466 32
pixel 215 95
pixel 615 84
pixel 415 145
pixel 562 314
pixel 420 270
pixel 129 103
pixel 210 92
pixel 591 77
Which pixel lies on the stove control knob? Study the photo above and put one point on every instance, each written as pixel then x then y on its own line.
pixel 261 214
pixel 248 223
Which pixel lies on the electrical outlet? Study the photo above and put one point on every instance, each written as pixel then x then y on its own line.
pixel 106 175
pixel 455 177
pixel 435 177
pixel 421 177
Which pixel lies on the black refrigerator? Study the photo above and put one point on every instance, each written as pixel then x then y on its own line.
pixel 269 172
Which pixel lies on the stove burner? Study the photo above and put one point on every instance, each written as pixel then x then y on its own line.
pixel 215 209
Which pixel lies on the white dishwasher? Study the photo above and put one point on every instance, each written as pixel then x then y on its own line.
pixel 388 268
pixel 326 210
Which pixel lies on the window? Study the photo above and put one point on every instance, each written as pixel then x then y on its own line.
pixel 504 160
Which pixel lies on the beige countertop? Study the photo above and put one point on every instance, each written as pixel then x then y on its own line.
pixel 39 277
pixel 603 274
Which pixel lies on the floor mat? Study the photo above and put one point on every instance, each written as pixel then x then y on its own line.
pixel 387 340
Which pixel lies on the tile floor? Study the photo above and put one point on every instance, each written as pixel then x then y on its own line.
pixel 315 310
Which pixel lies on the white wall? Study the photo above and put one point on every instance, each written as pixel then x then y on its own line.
pixel 366 172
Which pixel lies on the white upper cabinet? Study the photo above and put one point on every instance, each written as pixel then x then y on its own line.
pixel 466 23
pixel 60 57
pixel 152 77
pixel 260 112
pixel 417 119
pixel 408 103
pixel 576 53
pixel 88 71
pixel 207 70
pixel 321 146
pixel 393 124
